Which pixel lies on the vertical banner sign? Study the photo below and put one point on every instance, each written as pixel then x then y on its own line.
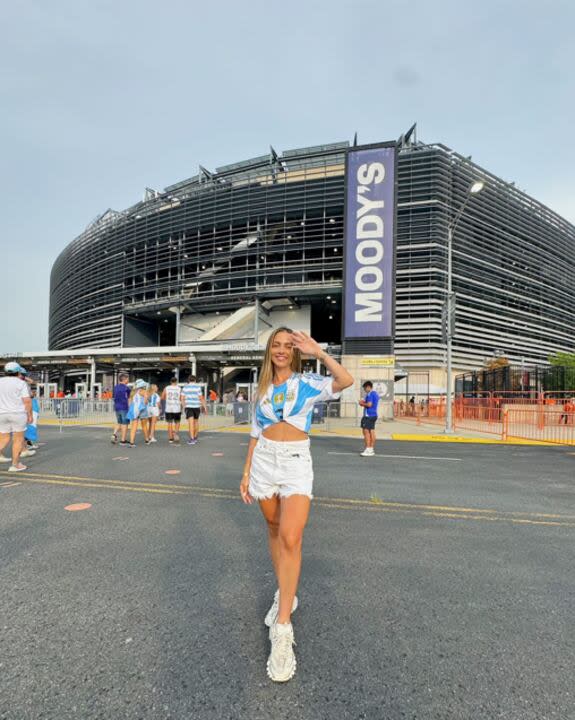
pixel 369 244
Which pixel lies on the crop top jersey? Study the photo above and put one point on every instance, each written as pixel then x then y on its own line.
pixel 292 402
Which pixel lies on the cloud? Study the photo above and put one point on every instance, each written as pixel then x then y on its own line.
pixel 406 76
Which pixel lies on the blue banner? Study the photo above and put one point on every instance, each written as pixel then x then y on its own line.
pixel 369 281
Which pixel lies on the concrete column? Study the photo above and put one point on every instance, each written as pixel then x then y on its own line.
pixel 350 396
pixel 92 378
pixel 178 316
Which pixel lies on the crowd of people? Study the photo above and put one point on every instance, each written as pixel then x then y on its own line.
pixel 139 407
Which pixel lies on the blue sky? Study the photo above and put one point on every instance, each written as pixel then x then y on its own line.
pixel 100 99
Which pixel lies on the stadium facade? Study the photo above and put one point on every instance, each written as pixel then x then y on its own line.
pixel 226 255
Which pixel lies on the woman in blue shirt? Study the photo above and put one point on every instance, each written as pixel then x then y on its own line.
pixel 153 411
pixel 278 470
pixel 138 411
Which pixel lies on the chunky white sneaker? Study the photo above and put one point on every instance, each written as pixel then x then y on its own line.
pixel 273 611
pixel 27 453
pixel 4 459
pixel 281 662
pixel 368 452
pixel 17 468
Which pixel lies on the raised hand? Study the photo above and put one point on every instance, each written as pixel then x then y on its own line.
pixel 306 344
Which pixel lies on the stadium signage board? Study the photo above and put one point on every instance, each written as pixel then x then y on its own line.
pixel 369 247
pixel 385 361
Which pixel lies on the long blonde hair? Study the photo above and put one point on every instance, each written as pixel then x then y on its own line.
pixel 267 371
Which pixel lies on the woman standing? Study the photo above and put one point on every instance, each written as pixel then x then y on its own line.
pixel 278 471
pixel 138 411
pixel 153 411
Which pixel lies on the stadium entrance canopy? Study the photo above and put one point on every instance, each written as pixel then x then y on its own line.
pixel 100 367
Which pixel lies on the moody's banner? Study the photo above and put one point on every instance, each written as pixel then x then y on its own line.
pixel 368 243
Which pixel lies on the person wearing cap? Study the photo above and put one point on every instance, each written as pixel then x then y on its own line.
pixel 138 411
pixel 15 413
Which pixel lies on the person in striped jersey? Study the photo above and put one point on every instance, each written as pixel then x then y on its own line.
pixel 194 401
pixel 278 470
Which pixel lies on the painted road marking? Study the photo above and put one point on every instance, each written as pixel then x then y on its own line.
pixel 172 472
pixel 406 457
pixel 373 505
pixel 76 507
pixel 9 484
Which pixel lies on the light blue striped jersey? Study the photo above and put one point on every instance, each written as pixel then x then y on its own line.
pixel 292 402
pixel 192 393
pixel 153 400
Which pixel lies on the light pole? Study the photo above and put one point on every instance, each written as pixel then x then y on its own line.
pixel 449 312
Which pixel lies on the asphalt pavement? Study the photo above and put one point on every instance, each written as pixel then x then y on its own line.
pixel 438 582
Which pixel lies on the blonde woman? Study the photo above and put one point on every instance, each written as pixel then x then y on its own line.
pixel 278 471
pixel 153 411
pixel 138 411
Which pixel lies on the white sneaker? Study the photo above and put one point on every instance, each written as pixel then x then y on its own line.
pixel 5 459
pixel 368 452
pixel 281 662
pixel 27 453
pixel 153 440
pixel 273 611
pixel 17 468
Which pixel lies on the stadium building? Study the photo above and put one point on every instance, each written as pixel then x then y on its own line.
pixel 210 264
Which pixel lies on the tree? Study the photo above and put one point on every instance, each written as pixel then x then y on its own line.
pixel 496 362
pixel 563 359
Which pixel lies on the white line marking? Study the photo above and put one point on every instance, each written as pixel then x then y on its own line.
pixel 405 457
pixel 11 484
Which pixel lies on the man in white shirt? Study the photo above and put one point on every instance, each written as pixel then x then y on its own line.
pixel 15 413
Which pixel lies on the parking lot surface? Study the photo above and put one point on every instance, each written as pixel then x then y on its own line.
pixel 438 582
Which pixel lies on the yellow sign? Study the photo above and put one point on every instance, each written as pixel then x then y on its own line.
pixel 386 361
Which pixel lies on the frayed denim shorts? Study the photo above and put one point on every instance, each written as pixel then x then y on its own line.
pixel 281 468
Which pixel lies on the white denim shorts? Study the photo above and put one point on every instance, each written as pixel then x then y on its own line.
pixel 13 422
pixel 281 468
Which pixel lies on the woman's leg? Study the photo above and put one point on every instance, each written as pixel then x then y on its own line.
pixel 271 511
pixel 153 426
pixel 146 429
pixel 293 518
pixel 133 431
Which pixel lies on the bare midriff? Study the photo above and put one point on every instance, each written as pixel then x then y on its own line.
pixel 284 432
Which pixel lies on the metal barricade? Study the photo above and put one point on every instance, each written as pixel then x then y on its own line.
pixel 76 411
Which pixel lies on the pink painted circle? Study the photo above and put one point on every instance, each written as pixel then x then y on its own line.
pixel 218 454
pixel 172 472
pixel 78 506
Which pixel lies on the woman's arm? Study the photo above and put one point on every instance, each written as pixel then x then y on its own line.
pixel 246 497
pixel 341 378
